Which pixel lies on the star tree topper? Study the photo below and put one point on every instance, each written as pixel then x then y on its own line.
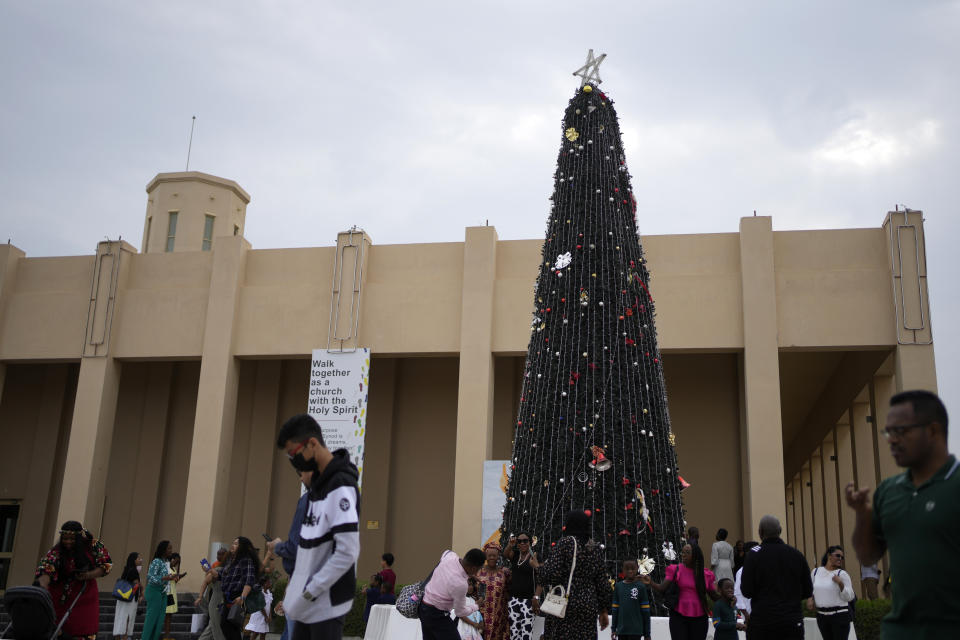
pixel 590 72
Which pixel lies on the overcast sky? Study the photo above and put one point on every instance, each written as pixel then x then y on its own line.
pixel 416 119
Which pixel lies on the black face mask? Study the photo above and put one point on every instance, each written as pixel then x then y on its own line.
pixel 302 464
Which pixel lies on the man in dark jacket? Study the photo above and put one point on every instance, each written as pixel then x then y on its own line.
pixel 776 578
pixel 321 589
pixel 287 550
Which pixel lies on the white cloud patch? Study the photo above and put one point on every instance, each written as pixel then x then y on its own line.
pixel 866 144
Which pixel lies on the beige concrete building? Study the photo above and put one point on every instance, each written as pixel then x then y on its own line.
pixel 141 391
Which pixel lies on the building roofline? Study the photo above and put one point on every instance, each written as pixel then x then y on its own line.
pixel 197 176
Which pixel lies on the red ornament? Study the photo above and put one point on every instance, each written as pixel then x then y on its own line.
pixel 630 341
pixel 579 246
pixel 625 481
pixel 624 532
pixel 629 312
pixel 629 506
pixel 563 299
pixel 548 309
pixel 592 366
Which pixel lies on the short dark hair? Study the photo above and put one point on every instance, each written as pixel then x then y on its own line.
pixel 299 428
pixel 722 580
pixel 722 534
pixel 388 558
pixel 475 558
pixel 926 406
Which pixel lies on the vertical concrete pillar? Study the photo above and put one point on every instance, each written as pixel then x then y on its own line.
pixel 262 451
pixel 475 395
pixel 788 534
pixel 376 462
pixel 150 456
pixel 762 429
pixel 863 451
pixel 214 422
pixel 819 503
pixel 809 520
pixel 30 541
pixel 913 358
pixel 796 505
pixel 845 467
pixel 91 435
pixel 830 491
pixel 884 388
pixel 94 412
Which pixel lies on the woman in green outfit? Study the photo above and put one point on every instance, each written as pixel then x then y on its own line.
pixel 157 575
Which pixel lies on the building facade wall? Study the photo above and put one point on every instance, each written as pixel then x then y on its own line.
pixel 207 354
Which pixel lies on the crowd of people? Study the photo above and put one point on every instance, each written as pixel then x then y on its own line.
pixel 494 593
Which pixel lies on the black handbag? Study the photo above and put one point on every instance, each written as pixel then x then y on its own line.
pixel 671 595
pixel 169 599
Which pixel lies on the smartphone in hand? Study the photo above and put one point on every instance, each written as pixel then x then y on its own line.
pixel 266 537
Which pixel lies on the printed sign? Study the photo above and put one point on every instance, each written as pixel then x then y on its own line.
pixel 337 399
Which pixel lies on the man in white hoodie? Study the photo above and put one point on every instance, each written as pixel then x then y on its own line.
pixel 321 589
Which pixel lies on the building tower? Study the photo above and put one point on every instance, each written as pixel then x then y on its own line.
pixel 186 210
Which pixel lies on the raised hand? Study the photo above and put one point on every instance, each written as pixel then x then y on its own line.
pixel 857 499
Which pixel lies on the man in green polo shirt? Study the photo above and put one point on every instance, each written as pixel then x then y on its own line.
pixel 916 516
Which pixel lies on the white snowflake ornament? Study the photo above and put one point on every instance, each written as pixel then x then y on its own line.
pixel 563 260
pixel 645 566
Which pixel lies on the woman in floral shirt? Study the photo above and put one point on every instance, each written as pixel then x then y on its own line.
pixel 494 604
pixel 70 571
pixel 157 577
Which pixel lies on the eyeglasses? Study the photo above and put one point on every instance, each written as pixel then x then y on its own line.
pixel 291 454
pixel 900 430
pixel 523 540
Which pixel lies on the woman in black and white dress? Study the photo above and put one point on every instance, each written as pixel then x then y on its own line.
pixel 832 593
pixel 522 605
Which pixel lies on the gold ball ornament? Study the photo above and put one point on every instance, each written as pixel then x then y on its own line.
pixel 587 88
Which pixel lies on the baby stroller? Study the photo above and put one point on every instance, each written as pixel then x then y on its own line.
pixel 32 615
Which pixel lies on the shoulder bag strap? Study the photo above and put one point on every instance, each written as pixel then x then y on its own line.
pixel 573 566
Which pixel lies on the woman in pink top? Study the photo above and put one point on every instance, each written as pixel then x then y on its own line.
pixel 688 620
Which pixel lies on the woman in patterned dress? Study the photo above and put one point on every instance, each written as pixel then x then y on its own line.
pixel 591 593
pixel 70 571
pixel 496 579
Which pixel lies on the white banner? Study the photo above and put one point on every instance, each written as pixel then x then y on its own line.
pixel 337 399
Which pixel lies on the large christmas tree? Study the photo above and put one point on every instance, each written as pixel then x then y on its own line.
pixel 593 430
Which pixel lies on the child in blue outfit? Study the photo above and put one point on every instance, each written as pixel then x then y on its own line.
pixel 631 606
pixel 725 625
pixel 471 627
